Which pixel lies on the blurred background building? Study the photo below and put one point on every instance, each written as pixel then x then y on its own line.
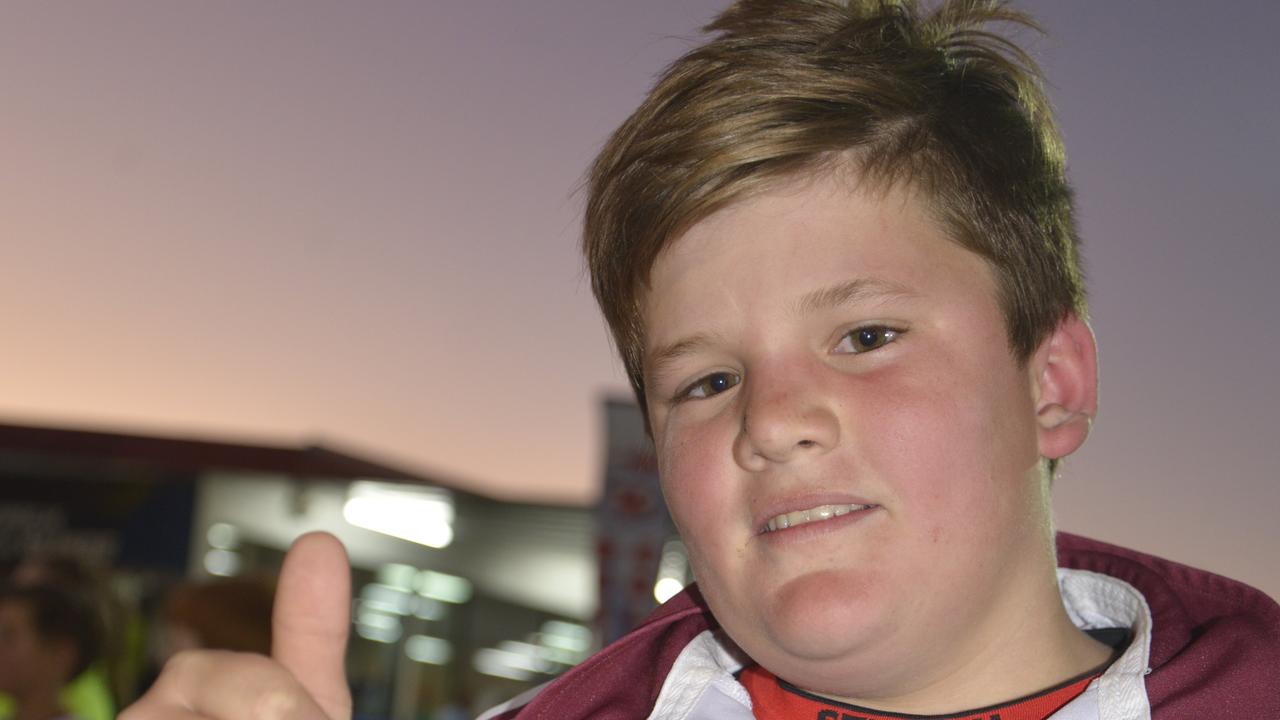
pixel 459 599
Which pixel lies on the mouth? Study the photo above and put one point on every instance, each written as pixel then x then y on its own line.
pixel 811 515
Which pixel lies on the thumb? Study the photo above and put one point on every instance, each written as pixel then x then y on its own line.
pixel 311 618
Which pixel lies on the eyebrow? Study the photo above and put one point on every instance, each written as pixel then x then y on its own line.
pixel 848 293
pixel 656 363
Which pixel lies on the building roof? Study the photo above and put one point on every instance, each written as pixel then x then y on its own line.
pixel 31 447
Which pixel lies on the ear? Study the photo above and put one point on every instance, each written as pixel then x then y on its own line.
pixel 1065 383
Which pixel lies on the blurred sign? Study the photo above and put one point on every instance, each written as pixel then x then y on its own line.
pixel 26 526
pixel 632 523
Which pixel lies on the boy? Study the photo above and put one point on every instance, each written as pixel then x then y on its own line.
pixel 836 249
pixel 47 637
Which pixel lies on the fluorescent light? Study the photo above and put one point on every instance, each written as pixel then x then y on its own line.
pixel 429 650
pixel 525 656
pixel 419 515
pixel 223 536
pixel 378 634
pixel 428 609
pixel 397 575
pixel 377 626
pixel 563 642
pixel 223 563
pixel 581 634
pixel 443 587
pixel 387 599
pixel 497 663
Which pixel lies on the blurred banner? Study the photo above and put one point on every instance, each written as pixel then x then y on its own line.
pixel 632 523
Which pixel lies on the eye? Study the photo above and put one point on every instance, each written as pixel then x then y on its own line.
pixel 865 339
pixel 712 384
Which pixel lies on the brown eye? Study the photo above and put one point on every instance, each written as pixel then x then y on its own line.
pixel 712 384
pixel 864 339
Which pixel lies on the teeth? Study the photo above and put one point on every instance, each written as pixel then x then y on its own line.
pixel 800 517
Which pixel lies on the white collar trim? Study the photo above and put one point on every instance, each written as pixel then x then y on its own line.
pixel 1093 601
pixel 702 676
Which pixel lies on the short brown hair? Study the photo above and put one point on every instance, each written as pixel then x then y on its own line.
pixel 929 98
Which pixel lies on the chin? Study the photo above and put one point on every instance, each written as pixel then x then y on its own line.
pixel 820 627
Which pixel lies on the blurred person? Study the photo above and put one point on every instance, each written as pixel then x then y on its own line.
pixel 109 681
pixel 48 636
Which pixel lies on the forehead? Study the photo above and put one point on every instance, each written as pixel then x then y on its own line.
pixel 802 236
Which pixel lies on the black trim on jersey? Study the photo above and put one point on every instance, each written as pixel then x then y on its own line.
pixel 991 710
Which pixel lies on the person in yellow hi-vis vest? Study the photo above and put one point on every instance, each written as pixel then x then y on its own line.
pixel 110 678
pixel 86 697
pixel 49 636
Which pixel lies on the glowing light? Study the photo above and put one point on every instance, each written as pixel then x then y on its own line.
pixel 566 636
pixel 666 588
pixel 419 515
pixel 429 650
pixel 377 626
pixel 223 536
pixel 388 599
pixel 429 609
pixel 443 587
pixel 397 575
pixel 498 663
pixel 673 571
pixel 222 563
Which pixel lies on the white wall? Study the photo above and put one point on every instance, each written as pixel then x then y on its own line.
pixel 538 557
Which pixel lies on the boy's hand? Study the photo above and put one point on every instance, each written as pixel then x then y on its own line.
pixel 304 679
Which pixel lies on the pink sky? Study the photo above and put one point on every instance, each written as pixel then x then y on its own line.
pixel 358 223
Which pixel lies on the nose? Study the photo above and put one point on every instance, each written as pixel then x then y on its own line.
pixel 783 419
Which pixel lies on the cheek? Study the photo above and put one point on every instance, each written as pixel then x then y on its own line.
pixel 703 488
pixel 695 464
pixel 952 449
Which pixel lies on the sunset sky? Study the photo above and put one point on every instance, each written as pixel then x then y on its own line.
pixel 357 223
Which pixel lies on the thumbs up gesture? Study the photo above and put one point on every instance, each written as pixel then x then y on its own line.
pixel 304 679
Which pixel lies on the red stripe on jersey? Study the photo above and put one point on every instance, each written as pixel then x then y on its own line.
pixel 771 699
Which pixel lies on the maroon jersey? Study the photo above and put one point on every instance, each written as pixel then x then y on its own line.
pixel 1214 652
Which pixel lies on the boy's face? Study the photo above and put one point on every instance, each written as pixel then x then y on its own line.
pixel 816 348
